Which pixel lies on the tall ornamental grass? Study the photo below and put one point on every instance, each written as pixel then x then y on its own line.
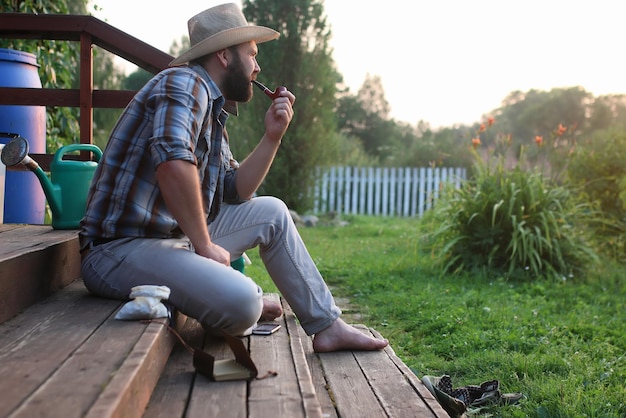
pixel 514 221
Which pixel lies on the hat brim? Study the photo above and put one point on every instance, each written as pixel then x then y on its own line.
pixel 225 39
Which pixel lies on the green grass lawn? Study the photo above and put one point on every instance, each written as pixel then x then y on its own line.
pixel 562 344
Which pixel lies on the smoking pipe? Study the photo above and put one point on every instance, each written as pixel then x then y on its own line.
pixel 271 94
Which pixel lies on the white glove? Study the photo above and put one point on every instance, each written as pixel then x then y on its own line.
pixel 146 303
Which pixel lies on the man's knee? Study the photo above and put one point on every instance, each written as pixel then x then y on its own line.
pixel 240 313
pixel 247 311
pixel 275 209
pixel 272 204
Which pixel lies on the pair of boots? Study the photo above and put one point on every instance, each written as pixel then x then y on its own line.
pixel 456 401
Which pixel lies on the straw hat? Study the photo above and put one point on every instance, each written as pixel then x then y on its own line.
pixel 221 27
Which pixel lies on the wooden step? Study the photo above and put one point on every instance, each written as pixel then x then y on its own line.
pixel 343 384
pixel 68 357
pixel 182 392
pixel 35 261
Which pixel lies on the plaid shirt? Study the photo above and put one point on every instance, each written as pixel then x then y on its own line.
pixel 178 115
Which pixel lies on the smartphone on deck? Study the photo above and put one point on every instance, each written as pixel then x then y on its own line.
pixel 266 329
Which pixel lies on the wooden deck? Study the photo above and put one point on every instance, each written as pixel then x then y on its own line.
pixel 66 356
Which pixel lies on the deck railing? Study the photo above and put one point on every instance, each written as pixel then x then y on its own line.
pixel 89 31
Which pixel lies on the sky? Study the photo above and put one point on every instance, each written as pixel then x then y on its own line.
pixel 443 62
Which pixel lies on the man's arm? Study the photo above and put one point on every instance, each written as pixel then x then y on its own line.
pixel 180 187
pixel 254 168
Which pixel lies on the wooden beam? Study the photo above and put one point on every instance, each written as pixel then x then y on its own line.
pixel 28 96
pixel 70 27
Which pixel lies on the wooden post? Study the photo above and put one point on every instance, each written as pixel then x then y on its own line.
pixel 86 88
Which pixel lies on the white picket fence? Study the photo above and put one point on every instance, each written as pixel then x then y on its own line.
pixel 403 191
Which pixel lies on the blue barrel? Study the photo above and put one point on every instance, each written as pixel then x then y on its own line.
pixel 24 199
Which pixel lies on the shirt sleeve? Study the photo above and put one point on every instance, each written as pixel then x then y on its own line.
pixel 230 189
pixel 230 179
pixel 179 101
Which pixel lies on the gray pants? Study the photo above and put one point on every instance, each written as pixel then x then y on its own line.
pixel 218 296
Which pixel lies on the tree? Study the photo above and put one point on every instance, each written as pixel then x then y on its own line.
pixel 366 116
pixel 371 95
pixel 606 112
pixel 301 60
pixel 59 64
pixel 536 112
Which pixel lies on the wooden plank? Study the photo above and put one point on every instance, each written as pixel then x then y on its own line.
pixel 414 381
pixel 274 396
pixel 28 96
pixel 377 190
pixel 323 392
pixel 172 392
pixel 350 388
pixel 333 191
pixel 392 191
pixel 347 180
pixel 297 341
pixel 34 344
pixel 414 191
pixel 375 384
pixel 390 386
pixel 289 394
pixel 9 227
pixel 80 379
pixel 17 239
pixel 129 391
pixel 217 399
pixel 277 396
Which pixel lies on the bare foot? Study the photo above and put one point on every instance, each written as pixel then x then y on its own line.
pixel 271 310
pixel 341 336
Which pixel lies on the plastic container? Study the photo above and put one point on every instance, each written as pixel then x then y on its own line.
pixel 24 199
pixel 73 178
pixel 2 181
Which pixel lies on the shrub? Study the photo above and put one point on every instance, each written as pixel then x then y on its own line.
pixel 511 221
pixel 597 169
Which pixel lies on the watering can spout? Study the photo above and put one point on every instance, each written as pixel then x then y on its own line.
pixel 66 189
pixel 52 191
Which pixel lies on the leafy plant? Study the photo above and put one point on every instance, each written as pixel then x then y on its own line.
pixel 597 169
pixel 509 220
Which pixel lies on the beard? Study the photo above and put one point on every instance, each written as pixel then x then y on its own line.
pixel 237 85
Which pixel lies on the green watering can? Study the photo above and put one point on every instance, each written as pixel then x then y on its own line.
pixel 66 189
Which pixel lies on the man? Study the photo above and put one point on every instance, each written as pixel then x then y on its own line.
pixel 170 206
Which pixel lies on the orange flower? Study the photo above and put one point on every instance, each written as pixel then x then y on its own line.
pixel 539 140
pixel 482 127
pixel 561 130
pixel 475 142
pixel 490 121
